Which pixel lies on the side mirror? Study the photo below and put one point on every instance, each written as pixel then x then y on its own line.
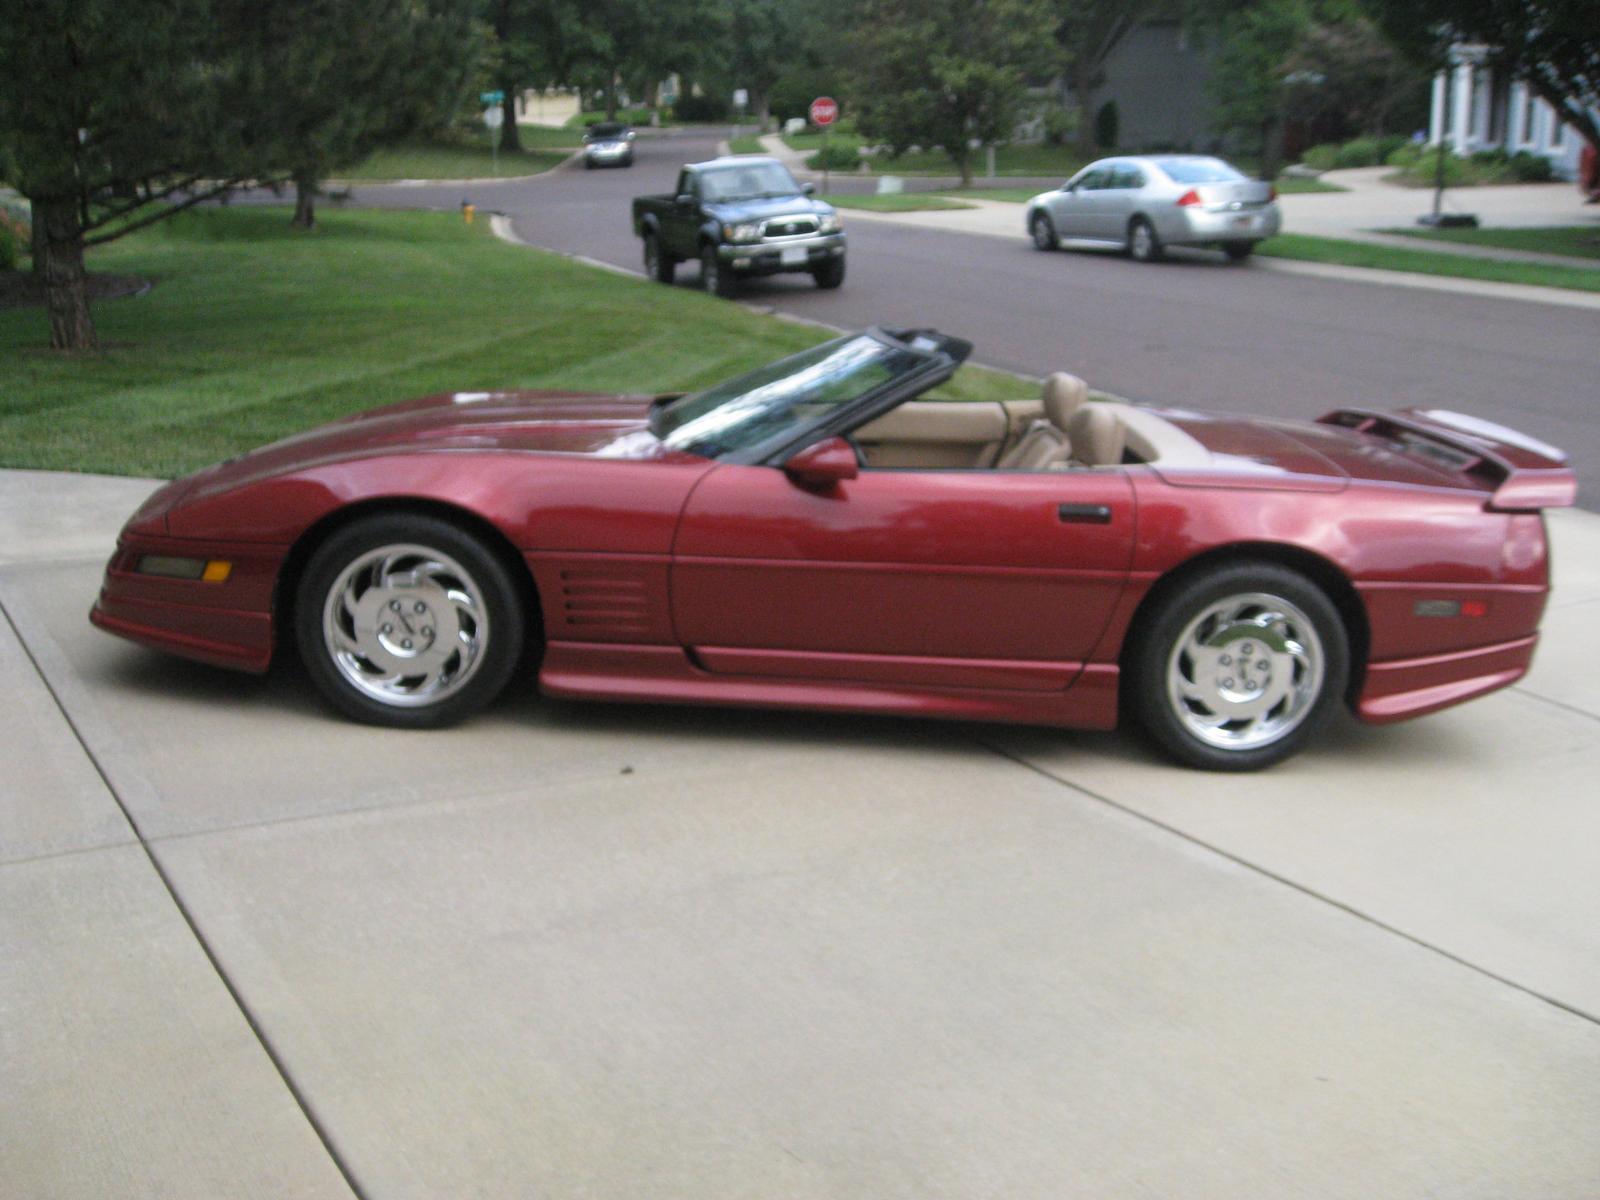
pixel 823 464
pixel 809 189
pixel 686 201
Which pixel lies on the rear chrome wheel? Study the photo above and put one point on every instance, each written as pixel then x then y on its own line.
pixel 1239 666
pixel 407 620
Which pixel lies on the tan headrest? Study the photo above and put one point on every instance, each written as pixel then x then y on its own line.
pixel 1063 395
pixel 1097 436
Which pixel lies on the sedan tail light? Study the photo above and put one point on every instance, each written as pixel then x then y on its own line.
pixel 1272 191
pixel 1191 197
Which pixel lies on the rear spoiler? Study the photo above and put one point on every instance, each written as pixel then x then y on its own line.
pixel 1521 474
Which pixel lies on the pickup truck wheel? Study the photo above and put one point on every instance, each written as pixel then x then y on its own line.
pixel 830 274
pixel 656 264
pixel 712 277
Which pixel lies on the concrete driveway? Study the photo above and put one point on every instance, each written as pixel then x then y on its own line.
pixel 248 949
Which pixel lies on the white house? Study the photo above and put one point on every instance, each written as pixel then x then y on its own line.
pixel 1474 108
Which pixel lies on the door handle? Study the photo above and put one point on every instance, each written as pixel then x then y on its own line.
pixel 1084 514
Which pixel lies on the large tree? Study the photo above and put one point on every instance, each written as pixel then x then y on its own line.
pixel 946 73
pixel 1552 45
pixel 117 113
pixel 1088 32
pixel 350 76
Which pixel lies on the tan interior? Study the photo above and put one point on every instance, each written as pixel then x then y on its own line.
pixel 1061 430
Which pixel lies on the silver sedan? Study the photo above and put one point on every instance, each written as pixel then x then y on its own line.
pixel 1147 204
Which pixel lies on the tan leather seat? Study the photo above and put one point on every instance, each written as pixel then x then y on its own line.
pixel 1046 440
pixel 1098 438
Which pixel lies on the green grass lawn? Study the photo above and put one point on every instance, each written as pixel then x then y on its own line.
pixel 1362 254
pixel 1293 186
pixel 1011 195
pixel 469 158
pixel 1576 241
pixel 747 144
pixel 254 331
pixel 896 202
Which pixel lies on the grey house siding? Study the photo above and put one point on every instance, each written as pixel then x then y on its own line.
pixel 1158 79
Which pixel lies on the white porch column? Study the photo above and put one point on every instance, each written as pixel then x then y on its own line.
pixel 1517 119
pixel 1436 113
pixel 1461 118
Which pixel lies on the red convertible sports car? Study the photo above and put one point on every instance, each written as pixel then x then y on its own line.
pixel 813 535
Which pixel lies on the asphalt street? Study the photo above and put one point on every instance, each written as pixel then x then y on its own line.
pixel 1194 331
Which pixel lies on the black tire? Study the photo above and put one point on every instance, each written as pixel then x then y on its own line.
pixel 1240 691
pixel 830 274
pixel 1238 251
pixel 658 265
pixel 453 642
pixel 713 277
pixel 1144 244
pixel 1043 231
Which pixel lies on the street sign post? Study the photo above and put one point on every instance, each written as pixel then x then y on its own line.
pixel 493 118
pixel 824 112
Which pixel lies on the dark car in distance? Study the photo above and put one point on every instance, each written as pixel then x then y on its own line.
pixel 740 216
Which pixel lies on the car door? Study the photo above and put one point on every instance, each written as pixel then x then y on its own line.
pixel 1072 209
pixel 965 578
pixel 1120 199
pixel 683 221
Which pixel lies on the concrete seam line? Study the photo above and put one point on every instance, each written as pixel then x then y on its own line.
pixel 1303 889
pixel 1561 704
pixel 301 1100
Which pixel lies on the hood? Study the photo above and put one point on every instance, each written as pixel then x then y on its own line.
pixel 531 421
pixel 734 211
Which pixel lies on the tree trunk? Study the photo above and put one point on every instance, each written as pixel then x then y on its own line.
pixel 41 244
pixel 611 96
pixel 510 139
pixel 763 110
pixel 305 198
pixel 66 293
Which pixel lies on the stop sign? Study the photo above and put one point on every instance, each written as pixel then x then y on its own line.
pixel 824 110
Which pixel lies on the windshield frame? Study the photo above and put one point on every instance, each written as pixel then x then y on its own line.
pixel 707 174
pixel 938 357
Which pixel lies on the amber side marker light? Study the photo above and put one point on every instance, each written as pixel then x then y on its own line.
pixel 169 567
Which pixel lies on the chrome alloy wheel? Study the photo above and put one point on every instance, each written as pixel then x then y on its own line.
pixel 1142 241
pixel 1246 671
pixel 406 625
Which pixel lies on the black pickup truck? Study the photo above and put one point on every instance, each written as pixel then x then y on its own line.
pixel 740 216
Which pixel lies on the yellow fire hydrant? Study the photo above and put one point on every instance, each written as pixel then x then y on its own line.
pixel 467 210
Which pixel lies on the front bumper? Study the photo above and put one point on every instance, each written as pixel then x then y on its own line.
pixel 782 254
pixel 226 624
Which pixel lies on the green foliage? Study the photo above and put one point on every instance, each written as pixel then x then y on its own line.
pixel 1106 123
pixel 794 91
pixel 945 73
pixel 1554 45
pixel 700 109
pixel 1059 125
pixel 1419 166
pixel 1322 158
pixel 841 154
pixel 1357 152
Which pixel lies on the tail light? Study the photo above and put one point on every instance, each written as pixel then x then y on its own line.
pixel 1189 198
pixel 1272 191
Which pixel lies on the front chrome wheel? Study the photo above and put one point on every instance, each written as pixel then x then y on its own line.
pixel 1245 672
pixel 406 625
pixel 407 619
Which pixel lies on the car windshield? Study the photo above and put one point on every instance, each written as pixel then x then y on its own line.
pixel 602 131
pixel 1198 170
pixel 787 394
pixel 748 181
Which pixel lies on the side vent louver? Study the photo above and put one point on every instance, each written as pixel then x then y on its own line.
pixel 603 601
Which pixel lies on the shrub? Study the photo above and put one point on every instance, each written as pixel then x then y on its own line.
pixel 840 154
pixel 9 251
pixel 1321 158
pixel 16 235
pixel 1404 156
pixel 1059 125
pixel 695 109
pixel 1531 168
pixel 1106 122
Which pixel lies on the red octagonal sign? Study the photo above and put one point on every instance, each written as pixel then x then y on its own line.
pixel 824 110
